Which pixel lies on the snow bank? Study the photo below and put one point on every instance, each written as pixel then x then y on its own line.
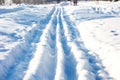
pixel 108 8
pixel 15 53
pixel 8 10
pixel 91 10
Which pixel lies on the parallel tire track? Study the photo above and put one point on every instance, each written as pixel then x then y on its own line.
pixel 88 65
pixel 42 66
pixel 65 69
pixel 69 61
pixel 17 71
pixel 60 55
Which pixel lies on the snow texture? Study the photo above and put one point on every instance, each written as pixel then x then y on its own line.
pixel 60 41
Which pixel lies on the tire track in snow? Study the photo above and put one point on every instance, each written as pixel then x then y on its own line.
pixel 65 61
pixel 59 75
pixel 60 55
pixel 43 64
pixel 82 65
pixel 69 62
pixel 17 71
pixel 88 65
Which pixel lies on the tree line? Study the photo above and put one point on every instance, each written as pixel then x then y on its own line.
pixel 38 1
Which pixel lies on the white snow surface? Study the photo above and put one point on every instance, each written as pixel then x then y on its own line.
pixel 60 41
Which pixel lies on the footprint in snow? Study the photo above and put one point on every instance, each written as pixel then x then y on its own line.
pixel 114 33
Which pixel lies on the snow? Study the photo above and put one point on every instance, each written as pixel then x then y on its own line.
pixel 60 41
pixel 104 41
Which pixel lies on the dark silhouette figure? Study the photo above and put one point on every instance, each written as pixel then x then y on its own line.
pixel 75 2
pixel 58 1
pixel 1 2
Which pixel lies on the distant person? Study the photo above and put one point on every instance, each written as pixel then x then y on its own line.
pixel 58 1
pixel 75 2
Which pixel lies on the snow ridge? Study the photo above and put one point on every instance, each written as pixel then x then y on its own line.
pixel 15 62
pixel 46 57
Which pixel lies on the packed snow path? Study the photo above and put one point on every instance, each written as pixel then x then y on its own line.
pixel 58 53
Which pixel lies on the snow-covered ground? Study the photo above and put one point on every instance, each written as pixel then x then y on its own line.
pixel 60 41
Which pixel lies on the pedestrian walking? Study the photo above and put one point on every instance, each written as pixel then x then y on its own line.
pixel 75 2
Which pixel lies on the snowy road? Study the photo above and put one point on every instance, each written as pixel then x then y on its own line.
pixel 48 47
pixel 60 53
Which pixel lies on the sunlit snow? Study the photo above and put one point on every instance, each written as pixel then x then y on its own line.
pixel 60 41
